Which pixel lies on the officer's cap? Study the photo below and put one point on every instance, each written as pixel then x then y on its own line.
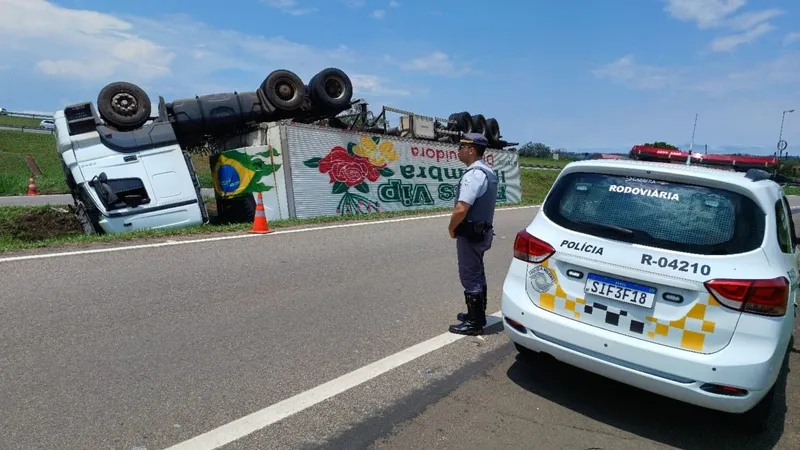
pixel 475 139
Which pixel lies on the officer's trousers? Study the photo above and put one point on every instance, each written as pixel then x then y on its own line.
pixel 470 262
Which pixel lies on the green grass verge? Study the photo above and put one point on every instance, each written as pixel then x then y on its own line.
pixel 791 190
pixel 12 121
pixel 31 227
pixel 14 145
pixel 529 161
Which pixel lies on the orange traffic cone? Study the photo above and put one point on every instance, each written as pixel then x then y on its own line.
pixel 260 224
pixel 32 187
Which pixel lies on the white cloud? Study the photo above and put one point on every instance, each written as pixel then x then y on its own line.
pixel 627 71
pixel 435 63
pixel 379 13
pixel 394 4
pixel 175 55
pixel 354 3
pixel 706 13
pixel 290 7
pixel 709 79
pixel 730 42
pixel 39 30
pixel 374 85
pixel 749 20
pixel 791 38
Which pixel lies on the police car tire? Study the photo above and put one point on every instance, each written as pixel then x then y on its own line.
pixel 524 351
pixel 269 88
pixel 758 419
pixel 319 91
pixel 129 120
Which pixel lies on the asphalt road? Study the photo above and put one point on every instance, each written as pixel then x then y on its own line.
pixel 25 130
pixel 150 347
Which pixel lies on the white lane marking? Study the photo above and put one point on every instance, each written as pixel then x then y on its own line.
pixel 246 425
pixel 237 236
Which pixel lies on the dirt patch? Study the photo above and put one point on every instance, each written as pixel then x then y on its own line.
pixel 41 224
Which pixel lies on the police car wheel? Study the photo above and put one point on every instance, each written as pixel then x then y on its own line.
pixel 524 351
pixel 759 418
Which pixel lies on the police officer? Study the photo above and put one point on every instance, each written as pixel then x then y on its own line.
pixel 471 227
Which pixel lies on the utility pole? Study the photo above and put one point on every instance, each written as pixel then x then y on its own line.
pixel 691 145
pixel 780 135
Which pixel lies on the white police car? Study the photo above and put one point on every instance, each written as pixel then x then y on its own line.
pixel 680 280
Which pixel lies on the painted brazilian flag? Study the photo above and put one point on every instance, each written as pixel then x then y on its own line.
pixel 236 173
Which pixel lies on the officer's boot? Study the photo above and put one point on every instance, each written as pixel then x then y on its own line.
pixel 475 319
pixel 463 316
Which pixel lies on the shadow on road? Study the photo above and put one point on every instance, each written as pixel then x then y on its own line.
pixel 642 413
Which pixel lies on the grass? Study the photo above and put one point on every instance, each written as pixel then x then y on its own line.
pixel 530 161
pixel 32 227
pixel 791 190
pixel 14 176
pixel 12 121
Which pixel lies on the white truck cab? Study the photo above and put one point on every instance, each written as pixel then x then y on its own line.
pixel 126 180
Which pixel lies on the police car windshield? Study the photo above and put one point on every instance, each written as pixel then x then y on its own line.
pixel 682 217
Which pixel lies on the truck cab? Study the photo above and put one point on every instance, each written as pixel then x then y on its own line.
pixel 126 180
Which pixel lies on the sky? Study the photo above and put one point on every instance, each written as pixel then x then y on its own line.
pixel 582 75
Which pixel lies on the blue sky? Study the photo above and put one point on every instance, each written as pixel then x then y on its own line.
pixel 583 75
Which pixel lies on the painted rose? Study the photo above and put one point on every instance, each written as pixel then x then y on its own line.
pixel 351 170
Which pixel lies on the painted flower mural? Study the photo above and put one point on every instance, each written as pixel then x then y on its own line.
pixel 355 167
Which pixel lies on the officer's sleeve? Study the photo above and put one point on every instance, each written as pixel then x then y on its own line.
pixel 471 185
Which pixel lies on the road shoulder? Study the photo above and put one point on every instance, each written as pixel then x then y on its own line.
pixel 540 403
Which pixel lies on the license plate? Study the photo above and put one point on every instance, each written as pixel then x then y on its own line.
pixel 621 291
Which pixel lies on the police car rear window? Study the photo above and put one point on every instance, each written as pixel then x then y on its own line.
pixel 676 216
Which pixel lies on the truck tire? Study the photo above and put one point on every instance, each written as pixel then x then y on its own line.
pixel 125 106
pixel 236 210
pixel 284 90
pixel 463 124
pixel 331 89
pixel 480 125
pixel 492 130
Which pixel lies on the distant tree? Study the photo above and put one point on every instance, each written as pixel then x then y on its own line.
pixel 535 150
pixel 661 144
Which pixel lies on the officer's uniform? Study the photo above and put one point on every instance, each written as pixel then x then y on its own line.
pixel 477 187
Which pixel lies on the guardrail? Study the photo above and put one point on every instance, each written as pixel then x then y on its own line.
pixel 29 115
pixel 25 128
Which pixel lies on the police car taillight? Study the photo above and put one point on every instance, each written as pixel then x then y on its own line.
pixel 764 297
pixel 531 249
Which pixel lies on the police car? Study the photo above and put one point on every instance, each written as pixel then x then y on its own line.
pixel 679 280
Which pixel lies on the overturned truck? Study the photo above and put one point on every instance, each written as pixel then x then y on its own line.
pixel 129 169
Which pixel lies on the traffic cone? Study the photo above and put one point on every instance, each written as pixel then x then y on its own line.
pixel 32 187
pixel 260 224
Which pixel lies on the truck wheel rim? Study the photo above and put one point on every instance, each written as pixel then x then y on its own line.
pixel 124 104
pixel 334 88
pixel 285 91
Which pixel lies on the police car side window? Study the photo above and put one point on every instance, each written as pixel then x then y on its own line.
pixel 784 230
pixel 788 208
